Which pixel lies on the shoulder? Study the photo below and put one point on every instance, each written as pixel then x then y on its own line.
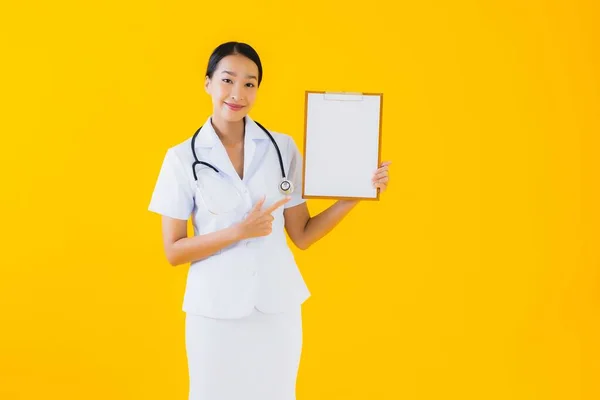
pixel 180 152
pixel 177 160
pixel 285 142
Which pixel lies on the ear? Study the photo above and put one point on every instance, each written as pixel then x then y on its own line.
pixel 206 84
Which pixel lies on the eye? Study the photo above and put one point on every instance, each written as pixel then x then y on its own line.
pixel 226 80
pixel 250 84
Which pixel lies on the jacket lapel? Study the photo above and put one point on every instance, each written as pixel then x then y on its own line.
pixel 255 146
pixel 210 149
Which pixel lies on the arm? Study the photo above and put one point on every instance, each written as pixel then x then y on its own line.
pixel 305 230
pixel 181 249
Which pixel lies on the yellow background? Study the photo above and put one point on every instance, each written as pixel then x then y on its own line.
pixel 475 276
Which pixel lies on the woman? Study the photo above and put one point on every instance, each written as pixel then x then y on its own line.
pixel 244 291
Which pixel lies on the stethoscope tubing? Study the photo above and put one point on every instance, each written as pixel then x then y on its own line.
pixel 197 162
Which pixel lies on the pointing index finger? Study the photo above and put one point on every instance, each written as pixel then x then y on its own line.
pixel 277 204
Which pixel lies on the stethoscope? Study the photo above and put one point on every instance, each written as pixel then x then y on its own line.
pixel 285 186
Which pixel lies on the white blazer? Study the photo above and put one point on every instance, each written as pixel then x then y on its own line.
pixel 260 272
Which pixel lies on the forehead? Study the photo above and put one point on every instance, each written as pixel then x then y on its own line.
pixel 237 62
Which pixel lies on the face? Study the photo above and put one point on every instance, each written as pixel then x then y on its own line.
pixel 233 87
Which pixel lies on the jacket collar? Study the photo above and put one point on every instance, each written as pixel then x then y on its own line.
pixel 208 140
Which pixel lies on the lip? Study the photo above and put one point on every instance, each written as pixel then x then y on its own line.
pixel 234 107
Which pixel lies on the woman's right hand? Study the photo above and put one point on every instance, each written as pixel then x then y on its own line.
pixel 259 222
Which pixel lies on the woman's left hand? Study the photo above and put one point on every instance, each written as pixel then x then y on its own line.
pixel 381 177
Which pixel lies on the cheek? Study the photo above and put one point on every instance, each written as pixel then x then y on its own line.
pixel 251 96
pixel 219 93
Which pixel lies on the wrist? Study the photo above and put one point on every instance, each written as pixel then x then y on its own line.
pixel 236 233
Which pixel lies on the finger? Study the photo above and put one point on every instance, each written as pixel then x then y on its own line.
pixel 266 219
pixel 385 163
pixel 380 179
pixel 380 175
pixel 258 204
pixel 380 170
pixel 267 229
pixel 277 204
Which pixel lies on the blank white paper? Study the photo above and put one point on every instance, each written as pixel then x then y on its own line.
pixel 342 145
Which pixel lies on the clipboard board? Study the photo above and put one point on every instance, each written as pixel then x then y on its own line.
pixel 342 144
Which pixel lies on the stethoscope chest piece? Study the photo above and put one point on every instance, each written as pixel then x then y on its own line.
pixel 286 187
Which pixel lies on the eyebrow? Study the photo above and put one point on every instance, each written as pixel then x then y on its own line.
pixel 233 74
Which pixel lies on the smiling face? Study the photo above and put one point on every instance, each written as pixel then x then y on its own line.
pixel 233 87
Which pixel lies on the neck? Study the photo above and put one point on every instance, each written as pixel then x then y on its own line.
pixel 230 133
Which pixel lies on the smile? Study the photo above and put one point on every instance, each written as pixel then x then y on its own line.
pixel 234 107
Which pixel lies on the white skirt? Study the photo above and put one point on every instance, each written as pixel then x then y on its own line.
pixel 252 358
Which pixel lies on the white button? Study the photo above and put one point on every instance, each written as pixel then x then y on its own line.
pixel 254 273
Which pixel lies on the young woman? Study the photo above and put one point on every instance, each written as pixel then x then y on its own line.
pixel 241 185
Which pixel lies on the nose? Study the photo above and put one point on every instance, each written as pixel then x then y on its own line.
pixel 236 93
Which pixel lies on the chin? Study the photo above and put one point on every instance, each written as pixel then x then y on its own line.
pixel 232 116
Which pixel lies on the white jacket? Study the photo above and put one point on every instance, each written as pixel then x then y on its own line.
pixel 260 272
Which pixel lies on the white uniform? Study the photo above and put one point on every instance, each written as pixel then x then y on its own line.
pixel 242 304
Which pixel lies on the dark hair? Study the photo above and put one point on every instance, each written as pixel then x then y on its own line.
pixel 232 48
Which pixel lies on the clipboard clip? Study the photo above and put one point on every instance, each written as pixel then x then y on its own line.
pixel 343 96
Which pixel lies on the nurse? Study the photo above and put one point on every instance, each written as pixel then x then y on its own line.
pixel 244 291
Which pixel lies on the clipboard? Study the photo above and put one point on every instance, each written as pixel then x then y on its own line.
pixel 342 144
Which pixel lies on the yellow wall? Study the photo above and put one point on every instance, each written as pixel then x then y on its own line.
pixel 475 277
